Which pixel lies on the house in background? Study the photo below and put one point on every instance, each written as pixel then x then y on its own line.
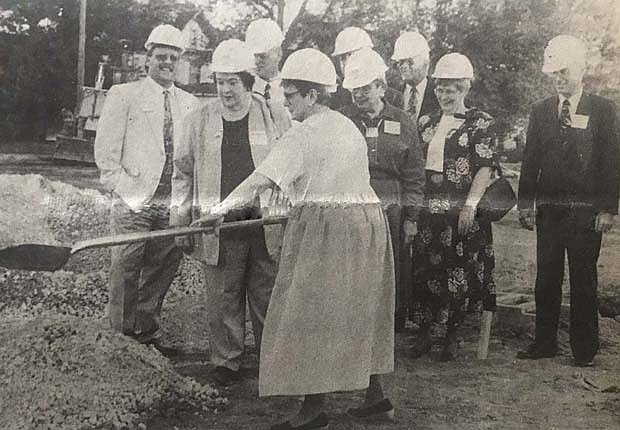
pixel 194 69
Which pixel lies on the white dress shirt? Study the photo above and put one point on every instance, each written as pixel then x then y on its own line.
pixel 276 92
pixel 157 95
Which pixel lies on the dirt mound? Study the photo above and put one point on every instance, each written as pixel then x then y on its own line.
pixel 68 373
pixel 62 366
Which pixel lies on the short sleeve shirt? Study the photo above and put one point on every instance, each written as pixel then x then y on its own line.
pixel 324 160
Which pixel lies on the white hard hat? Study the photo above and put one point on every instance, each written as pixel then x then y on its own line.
pixel 310 65
pixel 410 44
pixel 165 34
pixel 351 39
pixel 453 66
pixel 563 51
pixel 263 35
pixel 363 67
pixel 232 56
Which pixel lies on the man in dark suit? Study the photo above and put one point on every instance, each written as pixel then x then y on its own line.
pixel 569 185
pixel 412 55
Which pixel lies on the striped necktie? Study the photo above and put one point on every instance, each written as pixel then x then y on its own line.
pixel 413 102
pixel 565 121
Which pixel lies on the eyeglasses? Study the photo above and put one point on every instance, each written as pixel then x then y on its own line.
pixel 365 90
pixel 289 96
pixel 447 91
pixel 163 57
pixel 404 62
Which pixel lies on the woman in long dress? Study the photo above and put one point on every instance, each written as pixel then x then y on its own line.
pixel 453 251
pixel 329 326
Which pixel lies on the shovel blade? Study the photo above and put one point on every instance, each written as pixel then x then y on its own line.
pixel 34 257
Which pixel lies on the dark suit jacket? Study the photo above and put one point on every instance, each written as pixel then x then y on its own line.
pixel 582 169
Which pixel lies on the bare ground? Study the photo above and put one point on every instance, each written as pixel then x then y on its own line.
pixel 498 393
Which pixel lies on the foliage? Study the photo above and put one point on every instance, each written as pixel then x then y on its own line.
pixel 503 38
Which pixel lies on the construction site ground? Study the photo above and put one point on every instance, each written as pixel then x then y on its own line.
pixel 500 392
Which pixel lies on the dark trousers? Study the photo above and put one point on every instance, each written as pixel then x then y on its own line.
pixel 570 231
pixel 141 272
pixel 402 262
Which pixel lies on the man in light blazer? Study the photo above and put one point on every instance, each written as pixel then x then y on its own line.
pixel 568 189
pixel 139 128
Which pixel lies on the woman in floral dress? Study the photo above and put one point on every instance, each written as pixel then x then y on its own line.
pixel 453 250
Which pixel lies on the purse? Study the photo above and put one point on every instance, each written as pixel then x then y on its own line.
pixel 497 200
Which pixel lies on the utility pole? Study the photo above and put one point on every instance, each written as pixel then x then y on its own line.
pixel 81 54
pixel 280 17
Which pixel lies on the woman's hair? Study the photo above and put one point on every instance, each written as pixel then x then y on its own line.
pixel 304 87
pixel 462 84
pixel 247 79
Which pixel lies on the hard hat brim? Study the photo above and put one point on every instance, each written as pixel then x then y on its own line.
pixel 149 45
pixel 553 67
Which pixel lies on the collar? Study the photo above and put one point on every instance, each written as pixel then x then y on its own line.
pixel 154 88
pixel 421 87
pixel 574 99
pixel 260 83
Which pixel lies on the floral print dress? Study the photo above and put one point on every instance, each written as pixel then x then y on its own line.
pixel 454 273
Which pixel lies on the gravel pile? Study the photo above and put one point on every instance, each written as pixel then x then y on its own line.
pixel 36 210
pixel 60 364
pixel 72 373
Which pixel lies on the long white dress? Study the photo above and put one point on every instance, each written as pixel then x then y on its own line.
pixel 330 321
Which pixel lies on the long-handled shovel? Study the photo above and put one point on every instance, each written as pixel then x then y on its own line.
pixel 49 258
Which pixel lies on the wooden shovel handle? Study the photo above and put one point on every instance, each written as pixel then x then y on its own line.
pixel 122 239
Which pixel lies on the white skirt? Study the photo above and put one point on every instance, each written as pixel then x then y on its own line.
pixel 330 322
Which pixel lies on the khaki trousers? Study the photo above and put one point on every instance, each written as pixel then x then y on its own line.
pixel 245 271
pixel 141 272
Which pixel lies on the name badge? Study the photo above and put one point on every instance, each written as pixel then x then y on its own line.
pixel 372 132
pixel 392 127
pixel 579 121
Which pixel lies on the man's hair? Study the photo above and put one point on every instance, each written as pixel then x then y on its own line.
pixel 247 79
pixel 304 87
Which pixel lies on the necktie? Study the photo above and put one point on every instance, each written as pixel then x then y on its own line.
pixel 413 102
pixel 266 94
pixel 165 186
pixel 565 121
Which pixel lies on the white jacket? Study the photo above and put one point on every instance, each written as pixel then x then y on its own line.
pixel 129 146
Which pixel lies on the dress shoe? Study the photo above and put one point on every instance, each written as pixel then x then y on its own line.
pixel 584 363
pixel 380 410
pixel 319 423
pixel 165 350
pixel 225 376
pixel 534 352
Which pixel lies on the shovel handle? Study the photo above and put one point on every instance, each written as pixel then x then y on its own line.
pixel 122 239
